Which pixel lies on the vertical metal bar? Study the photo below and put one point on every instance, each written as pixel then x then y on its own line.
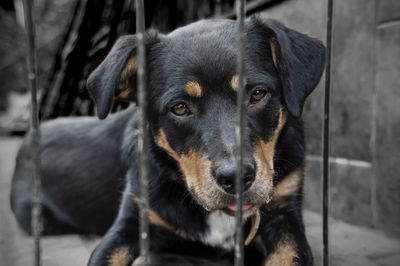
pixel 239 130
pixel 325 181
pixel 218 8
pixel 143 139
pixel 36 195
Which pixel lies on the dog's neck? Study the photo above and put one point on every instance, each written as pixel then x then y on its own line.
pixel 221 230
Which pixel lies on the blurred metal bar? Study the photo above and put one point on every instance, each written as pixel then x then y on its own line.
pixel 325 167
pixel 251 8
pixel 36 193
pixel 218 8
pixel 239 130
pixel 143 139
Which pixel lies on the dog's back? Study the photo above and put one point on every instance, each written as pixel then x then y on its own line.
pixel 78 197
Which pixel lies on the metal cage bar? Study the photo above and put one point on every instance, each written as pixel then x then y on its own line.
pixel 325 167
pixel 36 193
pixel 239 130
pixel 143 146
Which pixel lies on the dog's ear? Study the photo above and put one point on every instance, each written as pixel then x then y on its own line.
pixel 116 75
pixel 299 60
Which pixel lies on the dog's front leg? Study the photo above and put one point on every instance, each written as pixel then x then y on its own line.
pixel 119 246
pixel 284 238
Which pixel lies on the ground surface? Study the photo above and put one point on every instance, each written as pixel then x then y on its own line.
pixel 350 245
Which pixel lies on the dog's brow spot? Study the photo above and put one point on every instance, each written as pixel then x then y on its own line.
pixel 272 44
pixel 235 82
pixel 120 257
pixel 193 89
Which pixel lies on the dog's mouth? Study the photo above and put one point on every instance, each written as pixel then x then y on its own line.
pixel 247 209
pixel 244 207
pixel 213 199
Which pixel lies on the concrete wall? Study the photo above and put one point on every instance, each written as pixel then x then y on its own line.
pixel 365 117
pixel 386 139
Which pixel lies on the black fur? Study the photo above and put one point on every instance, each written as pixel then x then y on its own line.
pixel 88 164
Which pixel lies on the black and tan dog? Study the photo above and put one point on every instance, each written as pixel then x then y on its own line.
pixel 90 167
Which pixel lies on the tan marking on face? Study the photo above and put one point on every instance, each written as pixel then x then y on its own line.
pixel 193 89
pixel 195 167
pixel 265 151
pixel 192 163
pixel 235 82
pixel 264 158
pixel 272 45
pixel 162 142
pixel 120 257
pixel 125 82
pixel 285 254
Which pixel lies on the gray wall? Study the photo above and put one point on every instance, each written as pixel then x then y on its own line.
pixel 365 118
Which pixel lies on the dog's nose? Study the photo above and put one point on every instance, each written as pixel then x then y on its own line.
pixel 225 175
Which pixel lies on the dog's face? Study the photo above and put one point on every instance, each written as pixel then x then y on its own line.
pixel 192 90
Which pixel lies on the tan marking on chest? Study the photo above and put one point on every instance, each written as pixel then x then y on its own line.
pixel 154 218
pixel 285 254
pixel 290 184
pixel 157 220
pixel 120 257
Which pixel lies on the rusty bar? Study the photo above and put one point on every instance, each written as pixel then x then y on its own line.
pixel 326 137
pixel 143 139
pixel 239 130
pixel 36 193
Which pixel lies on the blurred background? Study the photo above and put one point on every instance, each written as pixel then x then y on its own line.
pixel 73 36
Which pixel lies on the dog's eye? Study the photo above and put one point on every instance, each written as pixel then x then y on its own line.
pixel 257 95
pixel 180 109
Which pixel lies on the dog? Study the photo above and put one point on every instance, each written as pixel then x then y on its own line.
pixel 90 166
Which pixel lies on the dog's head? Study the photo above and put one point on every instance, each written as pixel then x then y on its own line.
pixel 192 86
